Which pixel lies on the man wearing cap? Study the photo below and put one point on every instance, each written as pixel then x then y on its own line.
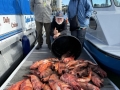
pixel 58 26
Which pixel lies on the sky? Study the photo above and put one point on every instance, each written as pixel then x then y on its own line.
pixel 65 2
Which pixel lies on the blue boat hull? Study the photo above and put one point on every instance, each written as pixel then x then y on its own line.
pixel 111 63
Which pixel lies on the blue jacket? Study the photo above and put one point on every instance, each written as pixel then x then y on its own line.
pixel 84 11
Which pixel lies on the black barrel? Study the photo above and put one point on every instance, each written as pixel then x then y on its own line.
pixel 65 44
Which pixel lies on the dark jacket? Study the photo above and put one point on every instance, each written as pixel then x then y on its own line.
pixel 62 28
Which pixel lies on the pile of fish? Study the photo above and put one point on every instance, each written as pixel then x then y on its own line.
pixel 63 74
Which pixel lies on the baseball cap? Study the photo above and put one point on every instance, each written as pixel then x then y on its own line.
pixel 59 14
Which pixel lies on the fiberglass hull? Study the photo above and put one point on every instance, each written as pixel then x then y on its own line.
pixel 108 61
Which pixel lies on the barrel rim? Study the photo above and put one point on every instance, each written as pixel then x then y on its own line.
pixel 57 54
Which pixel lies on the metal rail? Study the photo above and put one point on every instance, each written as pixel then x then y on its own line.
pixel 15 71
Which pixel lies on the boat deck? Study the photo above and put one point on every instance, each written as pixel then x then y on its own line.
pixel 43 53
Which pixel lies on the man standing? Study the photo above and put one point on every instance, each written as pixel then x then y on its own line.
pixel 84 13
pixel 42 11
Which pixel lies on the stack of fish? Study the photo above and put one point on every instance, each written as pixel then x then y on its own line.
pixel 64 74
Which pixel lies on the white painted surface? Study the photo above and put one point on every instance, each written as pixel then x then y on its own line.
pixel 27 22
pixel 8 41
pixel 114 50
pixel 33 25
pixel 110 24
pixel 9 23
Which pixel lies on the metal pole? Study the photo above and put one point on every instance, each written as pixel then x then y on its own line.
pixel 59 4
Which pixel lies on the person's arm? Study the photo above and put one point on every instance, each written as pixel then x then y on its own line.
pixel 64 31
pixel 89 9
pixel 32 5
pixel 52 28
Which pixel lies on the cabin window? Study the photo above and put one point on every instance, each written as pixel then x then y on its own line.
pixel 117 3
pixel 101 3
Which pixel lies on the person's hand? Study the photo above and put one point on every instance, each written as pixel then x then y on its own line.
pixel 55 31
pixel 67 20
pixel 83 28
pixel 56 35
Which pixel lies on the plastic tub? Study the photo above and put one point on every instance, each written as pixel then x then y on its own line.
pixel 64 44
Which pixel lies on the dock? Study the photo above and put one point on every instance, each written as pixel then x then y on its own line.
pixel 44 53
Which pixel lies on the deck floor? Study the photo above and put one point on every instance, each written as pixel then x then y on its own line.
pixel 43 53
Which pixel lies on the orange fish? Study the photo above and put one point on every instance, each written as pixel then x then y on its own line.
pixel 26 85
pixel 36 64
pixel 36 83
pixel 44 66
pixel 16 86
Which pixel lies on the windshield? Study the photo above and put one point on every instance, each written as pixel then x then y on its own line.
pixel 117 3
pixel 101 3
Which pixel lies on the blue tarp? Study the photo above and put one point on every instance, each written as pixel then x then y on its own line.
pixel 15 7
pixel 25 6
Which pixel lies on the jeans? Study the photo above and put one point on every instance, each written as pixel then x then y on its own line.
pixel 51 39
pixel 80 34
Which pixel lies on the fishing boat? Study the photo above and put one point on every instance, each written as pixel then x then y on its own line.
pixel 16 21
pixel 102 38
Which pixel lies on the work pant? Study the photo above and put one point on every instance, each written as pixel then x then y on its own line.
pixel 80 34
pixel 39 28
